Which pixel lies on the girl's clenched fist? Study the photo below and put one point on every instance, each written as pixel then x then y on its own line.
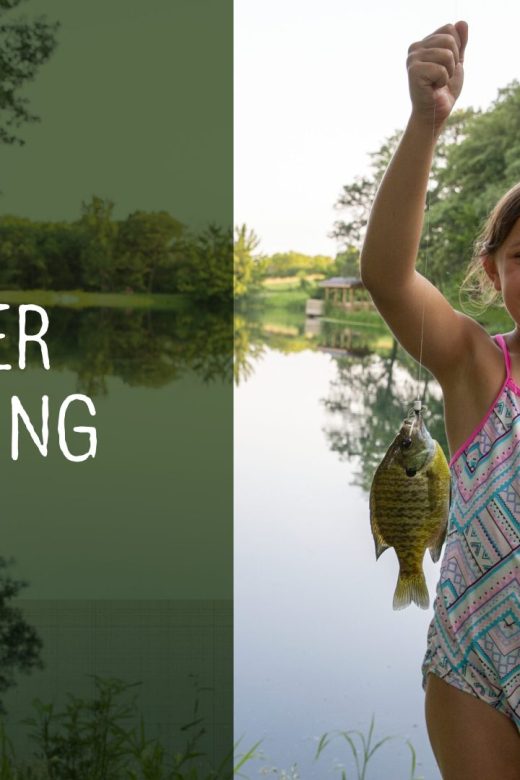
pixel 436 72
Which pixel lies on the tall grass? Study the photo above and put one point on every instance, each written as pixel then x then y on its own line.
pixel 102 738
pixel 361 749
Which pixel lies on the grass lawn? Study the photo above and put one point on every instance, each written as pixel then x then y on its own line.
pixel 79 299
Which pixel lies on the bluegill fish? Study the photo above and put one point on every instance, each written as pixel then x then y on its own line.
pixel 409 506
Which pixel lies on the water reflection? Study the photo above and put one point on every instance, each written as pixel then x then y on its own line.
pixel 311 602
pixel 340 341
pixel 293 334
pixel 248 348
pixel 20 643
pixel 375 386
pixel 142 347
pixel 122 551
pixel 367 403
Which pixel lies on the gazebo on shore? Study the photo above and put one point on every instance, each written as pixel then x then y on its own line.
pixel 337 287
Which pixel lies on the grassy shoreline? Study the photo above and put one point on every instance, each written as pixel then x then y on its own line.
pixel 494 319
pixel 79 299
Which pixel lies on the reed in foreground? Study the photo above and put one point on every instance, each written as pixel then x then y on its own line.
pixel 361 748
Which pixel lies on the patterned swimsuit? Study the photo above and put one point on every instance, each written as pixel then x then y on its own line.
pixel 474 637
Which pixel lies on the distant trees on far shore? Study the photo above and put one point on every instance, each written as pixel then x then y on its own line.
pixel 251 268
pixel 150 252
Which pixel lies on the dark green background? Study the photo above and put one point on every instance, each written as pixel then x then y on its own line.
pixel 136 106
pixel 128 556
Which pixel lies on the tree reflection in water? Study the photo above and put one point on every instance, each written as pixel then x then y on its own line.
pixel 368 402
pixel 248 348
pixel 142 347
pixel 375 387
pixel 20 644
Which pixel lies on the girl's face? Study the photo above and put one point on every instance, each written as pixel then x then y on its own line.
pixel 503 268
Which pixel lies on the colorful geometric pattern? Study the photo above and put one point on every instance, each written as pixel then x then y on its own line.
pixel 474 637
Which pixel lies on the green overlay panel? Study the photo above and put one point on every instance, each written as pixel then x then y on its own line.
pixel 116 222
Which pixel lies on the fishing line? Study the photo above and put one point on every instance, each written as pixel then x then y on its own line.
pixel 417 402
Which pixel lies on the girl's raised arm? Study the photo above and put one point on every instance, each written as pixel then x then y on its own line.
pixel 435 74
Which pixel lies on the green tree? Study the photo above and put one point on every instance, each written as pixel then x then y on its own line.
pixel 39 255
pixel 58 245
pixel 17 250
pixel 144 250
pixel 347 262
pixel 290 263
pixel 247 266
pixel 24 47
pixel 23 259
pixel 99 234
pixel 205 264
pixel 479 167
pixel 357 198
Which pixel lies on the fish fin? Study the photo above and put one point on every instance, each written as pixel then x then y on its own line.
pixel 436 547
pixel 379 542
pixel 438 472
pixel 381 545
pixel 411 588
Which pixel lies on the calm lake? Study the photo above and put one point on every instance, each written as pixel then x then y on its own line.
pixel 318 647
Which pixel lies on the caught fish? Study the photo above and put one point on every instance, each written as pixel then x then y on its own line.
pixel 409 506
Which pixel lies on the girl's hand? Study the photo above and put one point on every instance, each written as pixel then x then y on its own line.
pixel 436 72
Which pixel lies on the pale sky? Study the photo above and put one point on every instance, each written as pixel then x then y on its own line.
pixel 319 85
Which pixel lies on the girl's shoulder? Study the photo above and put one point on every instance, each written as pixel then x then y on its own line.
pixel 470 392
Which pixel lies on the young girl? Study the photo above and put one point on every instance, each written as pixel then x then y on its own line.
pixel 471 671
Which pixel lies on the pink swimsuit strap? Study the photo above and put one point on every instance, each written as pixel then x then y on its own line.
pixel 507 357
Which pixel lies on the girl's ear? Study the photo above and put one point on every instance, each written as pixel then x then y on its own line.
pixel 490 267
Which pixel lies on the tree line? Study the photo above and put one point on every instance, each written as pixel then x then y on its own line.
pixel 148 252
pixel 251 268
pixel 476 160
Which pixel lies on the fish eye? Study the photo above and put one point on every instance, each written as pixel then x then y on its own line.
pixel 406 443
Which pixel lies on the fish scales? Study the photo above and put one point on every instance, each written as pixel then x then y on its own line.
pixel 409 506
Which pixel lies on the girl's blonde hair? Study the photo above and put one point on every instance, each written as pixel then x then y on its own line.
pixel 499 224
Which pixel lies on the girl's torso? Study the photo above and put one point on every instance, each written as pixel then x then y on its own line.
pixel 473 640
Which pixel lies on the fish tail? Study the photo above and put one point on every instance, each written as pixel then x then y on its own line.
pixel 411 587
